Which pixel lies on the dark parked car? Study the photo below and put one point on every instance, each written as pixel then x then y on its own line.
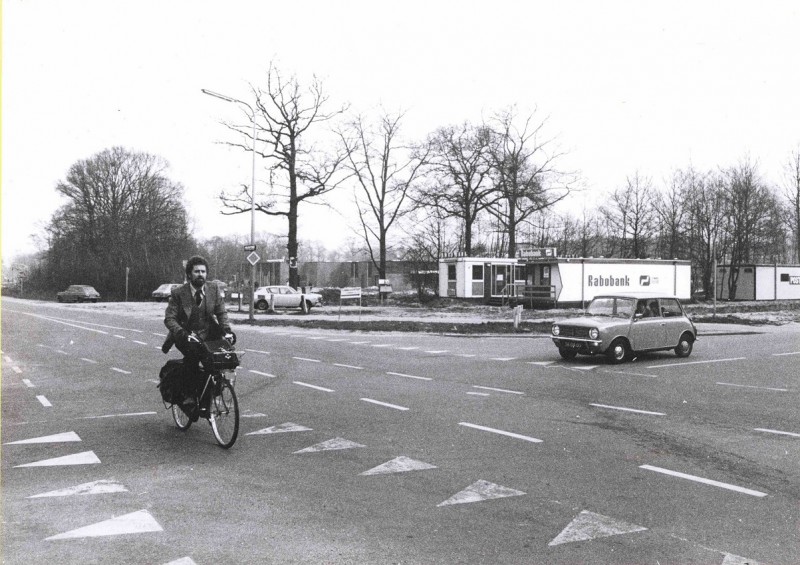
pixel 162 293
pixel 617 325
pixel 78 293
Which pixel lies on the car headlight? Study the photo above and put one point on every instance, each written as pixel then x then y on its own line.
pixel 556 329
pixel 593 333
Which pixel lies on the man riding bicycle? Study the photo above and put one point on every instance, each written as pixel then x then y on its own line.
pixel 195 313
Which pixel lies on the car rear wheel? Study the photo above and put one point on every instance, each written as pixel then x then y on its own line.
pixel 261 304
pixel 567 353
pixel 685 345
pixel 618 351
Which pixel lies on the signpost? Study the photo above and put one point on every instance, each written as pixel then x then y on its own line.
pixel 349 293
pixel 251 247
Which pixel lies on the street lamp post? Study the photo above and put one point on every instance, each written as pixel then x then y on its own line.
pixel 251 291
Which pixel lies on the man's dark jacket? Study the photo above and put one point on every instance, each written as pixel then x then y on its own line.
pixel 179 309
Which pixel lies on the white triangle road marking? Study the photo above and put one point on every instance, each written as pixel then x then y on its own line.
pixel 588 525
pixel 287 427
pixel 331 445
pixel 399 465
pixel 182 561
pixel 133 523
pixel 95 487
pixel 479 491
pixel 55 438
pixel 84 458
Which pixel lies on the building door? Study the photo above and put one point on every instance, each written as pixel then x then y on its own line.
pixel 500 278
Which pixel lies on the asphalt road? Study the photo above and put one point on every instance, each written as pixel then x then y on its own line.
pixel 397 448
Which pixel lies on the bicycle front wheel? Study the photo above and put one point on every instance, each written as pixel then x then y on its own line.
pixel 224 415
pixel 181 419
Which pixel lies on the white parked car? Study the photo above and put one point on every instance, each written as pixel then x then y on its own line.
pixel 285 297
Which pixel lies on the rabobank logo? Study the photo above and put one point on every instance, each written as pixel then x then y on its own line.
pixel 644 280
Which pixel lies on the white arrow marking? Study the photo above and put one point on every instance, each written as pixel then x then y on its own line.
pixel 84 458
pixel 282 428
pixel 55 438
pixel 479 491
pixel 400 464
pixel 331 445
pixel 133 523
pixel 95 487
pixel 588 525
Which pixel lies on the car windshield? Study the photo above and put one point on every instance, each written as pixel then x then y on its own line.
pixel 622 307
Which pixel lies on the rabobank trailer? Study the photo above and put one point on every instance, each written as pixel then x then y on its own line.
pixel 575 281
pixel 538 278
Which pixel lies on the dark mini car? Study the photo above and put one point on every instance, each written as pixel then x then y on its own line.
pixel 617 325
pixel 78 293
pixel 162 292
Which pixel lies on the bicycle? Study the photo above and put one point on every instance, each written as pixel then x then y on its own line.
pixel 216 402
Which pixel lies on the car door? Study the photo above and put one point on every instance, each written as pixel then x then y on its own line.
pixel 648 328
pixel 675 323
pixel 289 297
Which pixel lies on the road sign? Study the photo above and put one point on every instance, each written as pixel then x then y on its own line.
pixel 253 258
pixel 250 247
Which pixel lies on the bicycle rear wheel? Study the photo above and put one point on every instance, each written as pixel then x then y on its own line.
pixel 224 415
pixel 181 419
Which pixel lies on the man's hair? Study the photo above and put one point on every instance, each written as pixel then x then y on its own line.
pixel 196 260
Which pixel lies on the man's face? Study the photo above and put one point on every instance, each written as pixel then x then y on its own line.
pixel 198 276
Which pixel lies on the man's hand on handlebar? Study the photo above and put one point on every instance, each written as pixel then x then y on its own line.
pixel 192 338
pixel 230 337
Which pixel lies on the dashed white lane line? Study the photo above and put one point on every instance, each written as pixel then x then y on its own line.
pixel 382 345
pixel 768 431
pixel 498 389
pixel 790 353
pixel 756 387
pixel 409 376
pixel 116 415
pixel 348 366
pixel 258 351
pixel 118 370
pixel 408 348
pixel 359 342
pixel 139 342
pixel 62 352
pixel 307 359
pixel 704 481
pixel 337 339
pixel 502 358
pixel 438 351
pixel 479 393
pixel 260 373
pixel 696 362
pixel 28 383
pixel 7 358
pixel 386 404
pixel 119 336
pixel 315 387
pixel 91 360
pixel 16 369
pixel 500 432
pixel 465 355
pixel 631 374
pixel 627 409
pixel 43 400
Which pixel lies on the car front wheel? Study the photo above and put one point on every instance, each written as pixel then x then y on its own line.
pixel 618 351
pixel 685 345
pixel 261 304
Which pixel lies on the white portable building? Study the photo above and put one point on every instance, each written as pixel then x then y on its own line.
pixel 760 282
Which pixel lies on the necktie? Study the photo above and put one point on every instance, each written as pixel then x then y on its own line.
pixel 198 297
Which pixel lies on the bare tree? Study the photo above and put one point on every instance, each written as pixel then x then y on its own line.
pixel 671 207
pixel 459 161
pixel 287 117
pixel 386 170
pixel 524 174
pixel 631 216
pixel 792 194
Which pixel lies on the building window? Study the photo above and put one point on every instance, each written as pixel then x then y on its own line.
pixel 477 272
pixel 451 272
pixel 784 277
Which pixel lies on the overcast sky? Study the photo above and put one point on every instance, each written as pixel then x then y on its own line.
pixel 625 86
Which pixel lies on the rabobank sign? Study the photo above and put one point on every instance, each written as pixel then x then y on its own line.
pixel 609 281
